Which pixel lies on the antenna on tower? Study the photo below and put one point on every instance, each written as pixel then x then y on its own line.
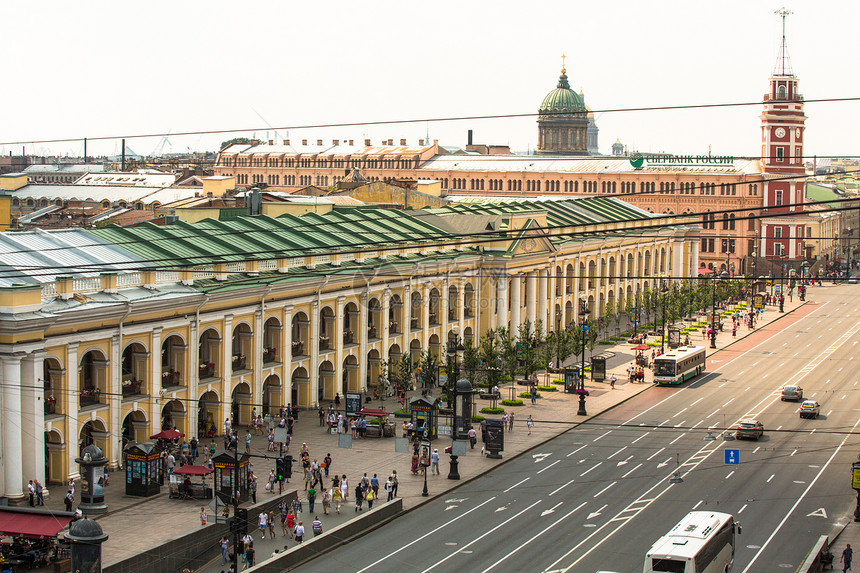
pixel 783 63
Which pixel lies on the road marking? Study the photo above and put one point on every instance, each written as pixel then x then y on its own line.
pixel 712 413
pixel 741 510
pixel 455 500
pixel 781 364
pixel 792 453
pixel 780 427
pixel 666 463
pixel 562 487
pixel 747 389
pixel 741 372
pixel 700 502
pixel 654 454
pixel 623 462
pixel 541 457
pixel 770 478
pixel 441 561
pixel 813 430
pixel 820 512
pixel 679 424
pixel 828 413
pixel 766 375
pixel 631 471
pixel 679 413
pixel 602 435
pixel 697 401
pixel 678 438
pixel 663 422
pixel 609 457
pixel 550 510
pixel 843 396
pixel 549 466
pixel 827 381
pixel 640 437
pixel 727 403
pixel 604 489
pixel 537 535
pixel 756 449
pixel 814 394
pixel 699 422
pixel 840 370
pixel 516 484
pixel 576 450
pixel 598 512
pixel 588 470
pixel 431 532
pixel 730 474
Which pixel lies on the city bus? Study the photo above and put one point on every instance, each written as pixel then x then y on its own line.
pixel 702 542
pixel 678 365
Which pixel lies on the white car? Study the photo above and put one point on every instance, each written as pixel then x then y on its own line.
pixel 810 409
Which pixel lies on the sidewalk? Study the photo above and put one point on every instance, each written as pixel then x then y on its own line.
pixel 168 518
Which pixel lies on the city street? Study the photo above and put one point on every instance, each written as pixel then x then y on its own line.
pixel 598 496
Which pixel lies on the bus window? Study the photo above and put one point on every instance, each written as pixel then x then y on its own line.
pixel 664 367
pixel 667 565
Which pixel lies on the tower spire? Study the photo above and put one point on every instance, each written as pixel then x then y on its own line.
pixel 563 69
pixel 783 63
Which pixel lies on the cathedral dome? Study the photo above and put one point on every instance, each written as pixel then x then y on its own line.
pixel 562 98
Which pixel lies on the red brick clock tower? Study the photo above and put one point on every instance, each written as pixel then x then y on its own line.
pixel 782 130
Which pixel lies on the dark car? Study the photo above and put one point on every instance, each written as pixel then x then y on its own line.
pixel 749 429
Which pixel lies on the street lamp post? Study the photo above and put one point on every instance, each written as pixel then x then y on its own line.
pixel 583 331
pixel 724 275
pixel 453 349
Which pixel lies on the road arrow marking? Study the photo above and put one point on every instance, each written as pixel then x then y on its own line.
pixel 820 512
pixel 664 464
pixel 540 457
pixel 550 510
pixel 598 512
pixel 451 507
pixel 622 462
pixel 503 508
pixel 455 500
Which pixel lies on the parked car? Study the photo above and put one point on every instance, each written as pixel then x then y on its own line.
pixel 792 392
pixel 751 429
pixel 810 409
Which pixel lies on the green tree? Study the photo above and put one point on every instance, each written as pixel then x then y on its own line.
pixel 229 142
pixel 471 361
pixel 507 349
pixel 527 344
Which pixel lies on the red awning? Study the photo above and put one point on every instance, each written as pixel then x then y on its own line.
pixel 167 435
pixel 704 271
pixel 372 412
pixel 193 471
pixel 31 526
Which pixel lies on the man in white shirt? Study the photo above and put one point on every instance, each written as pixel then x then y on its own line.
pixel 300 532
pixel 246 541
pixel 264 519
pixel 434 461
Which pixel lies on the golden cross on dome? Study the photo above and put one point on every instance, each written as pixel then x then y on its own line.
pixel 564 71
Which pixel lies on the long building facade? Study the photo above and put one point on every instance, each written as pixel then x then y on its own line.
pixel 113 334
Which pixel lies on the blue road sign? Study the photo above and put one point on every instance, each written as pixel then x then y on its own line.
pixel 733 457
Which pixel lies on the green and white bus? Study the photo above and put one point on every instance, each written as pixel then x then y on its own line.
pixel 679 365
pixel 702 542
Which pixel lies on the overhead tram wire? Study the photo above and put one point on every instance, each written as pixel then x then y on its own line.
pixel 408 121
pixel 469 239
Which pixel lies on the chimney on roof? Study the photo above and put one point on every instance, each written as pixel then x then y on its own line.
pixel 435 142
pixel 402 142
pixel 469 138
pixel 390 142
pixel 319 141
pixel 367 142
pixel 304 142
pixel 420 143
pixel 350 142
pixel 255 142
pixel 334 142
pixel 286 142
pixel 271 142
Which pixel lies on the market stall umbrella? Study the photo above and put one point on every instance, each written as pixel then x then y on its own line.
pixel 167 435
pixel 641 347
pixel 704 271
pixel 193 471
pixel 378 412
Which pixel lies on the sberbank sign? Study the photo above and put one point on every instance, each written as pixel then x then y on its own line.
pixel 637 160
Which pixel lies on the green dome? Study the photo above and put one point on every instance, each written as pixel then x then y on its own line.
pixel 562 98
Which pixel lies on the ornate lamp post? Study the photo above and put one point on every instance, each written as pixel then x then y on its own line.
pixel 583 330
pixel 454 347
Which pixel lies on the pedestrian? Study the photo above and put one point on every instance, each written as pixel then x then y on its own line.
pixel 326 500
pixel 529 424
pixel 359 497
pixel 327 462
pixel 370 495
pixel 511 422
pixel 374 485
pixel 389 489
pixel 252 487
pixel 299 532
pixel 847 555
pixel 263 521
pixel 630 372
pixel 336 497
pixel 434 461
pixel 316 526
pixel 270 522
pixel 248 442
pixel 31 492
pixel 69 500
pixel 533 394
pixel 291 522
pixel 250 556
pixel 322 417
pixel 473 437
pixel 225 547
pixel 612 382
pixel 312 497
pixel 193 445
pixel 202 516
pixel 40 493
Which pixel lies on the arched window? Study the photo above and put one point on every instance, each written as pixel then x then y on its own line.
pixel 751 222
pixel 732 222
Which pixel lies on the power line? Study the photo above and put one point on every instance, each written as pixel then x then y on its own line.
pixel 408 121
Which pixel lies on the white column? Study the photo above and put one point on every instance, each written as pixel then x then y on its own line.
pixel 553 299
pixel 425 319
pixel 791 241
pixel 531 297
pixel 287 353
pixel 443 308
pixel 313 367
pixel 516 303
pixel 338 340
pixel 694 254
pixel 406 327
pixel 33 416
pixel 155 385
pixel 114 388
pixel 461 308
pixel 72 408
pixel 677 259
pixel 362 347
pixel 502 317
pixel 13 481
pixel 542 300
pixel 257 384
pixel 191 363
pixel 226 369
pixel 386 305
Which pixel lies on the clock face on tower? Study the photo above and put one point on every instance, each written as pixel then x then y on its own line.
pixel 779 132
pixel 797 132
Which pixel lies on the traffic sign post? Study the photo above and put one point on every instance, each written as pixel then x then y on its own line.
pixel 733 457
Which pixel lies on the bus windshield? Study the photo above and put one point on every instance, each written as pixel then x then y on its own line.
pixel 667 565
pixel 664 367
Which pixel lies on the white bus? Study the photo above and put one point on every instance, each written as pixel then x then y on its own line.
pixel 678 365
pixel 702 542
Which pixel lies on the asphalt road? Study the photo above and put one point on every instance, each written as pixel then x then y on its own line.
pixel 598 496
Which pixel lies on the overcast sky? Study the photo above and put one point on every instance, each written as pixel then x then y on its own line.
pixel 76 69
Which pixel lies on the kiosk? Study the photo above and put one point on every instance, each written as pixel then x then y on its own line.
pixel 142 463
pixel 425 416
pixel 227 482
pixel 92 463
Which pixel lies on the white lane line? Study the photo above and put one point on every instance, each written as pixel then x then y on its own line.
pixel 678 438
pixel 640 437
pixel 741 510
pixel 701 501
pixel 549 466
pixel 631 471
pixel 441 561
pixel 602 435
pixel 827 381
pixel 741 372
pixel 756 449
pixel 609 457
pixel 562 487
pixel 843 396
pixel 727 403
pixel 576 450
pixel 814 394
pixel 792 453
pixel 654 454
pixel 516 484
pixel 778 428
pixel 666 421
pixel 813 430
pixel 679 413
pixel 840 370
pixel 699 422
pixel 747 389
pixel 766 375
pixel 604 489
pixel 537 535
pixel 588 470
pixel 697 401
pixel 431 532
pixel 712 413
pixel 781 364
pixel 730 474
pixel 770 478
pixel 828 413
pixel 679 424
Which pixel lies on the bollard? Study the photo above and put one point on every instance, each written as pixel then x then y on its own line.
pixel 454 473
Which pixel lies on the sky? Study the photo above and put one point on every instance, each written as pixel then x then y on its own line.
pixel 105 69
